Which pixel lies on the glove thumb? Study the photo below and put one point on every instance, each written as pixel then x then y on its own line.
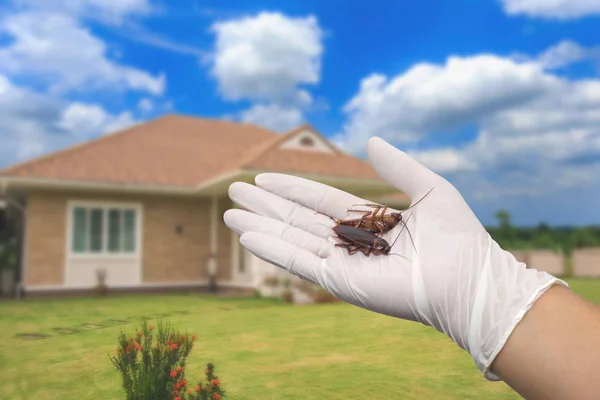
pixel 399 169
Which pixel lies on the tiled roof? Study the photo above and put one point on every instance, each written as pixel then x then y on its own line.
pixel 183 151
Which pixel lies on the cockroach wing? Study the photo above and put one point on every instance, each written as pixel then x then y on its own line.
pixel 356 236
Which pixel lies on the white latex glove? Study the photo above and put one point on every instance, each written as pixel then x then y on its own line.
pixel 459 281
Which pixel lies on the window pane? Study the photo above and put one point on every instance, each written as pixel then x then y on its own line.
pixel 129 231
pixel 114 230
pixel 79 230
pixel 96 230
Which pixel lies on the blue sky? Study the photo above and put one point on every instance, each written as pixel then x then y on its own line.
pixel 501 97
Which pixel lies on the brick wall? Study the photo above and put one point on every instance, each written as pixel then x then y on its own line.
pixel 167 255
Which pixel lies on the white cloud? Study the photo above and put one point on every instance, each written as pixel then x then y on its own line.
pixel 34 123
pixel 444 160
pixel 273 116
pixel 89 119
pixel 145 105
pixel 56 58
pixel 56 49
pixel 430 97
pixel 267 57
pixel 564 53
pixel 552 9
pixel 112 12
pixel 538 133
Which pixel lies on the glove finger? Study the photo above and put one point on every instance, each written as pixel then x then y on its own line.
pixel 399 169
pixel 314 195
pixel 265 203
pixel 274 250
pixel 242 221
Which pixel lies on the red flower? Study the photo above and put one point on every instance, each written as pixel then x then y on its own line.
pixel 215 382
pixel 140 333
pixel 197 389
pixel 173 374
pixel 174 346
pixel 177 398
pixel 216 396
pixel 182 382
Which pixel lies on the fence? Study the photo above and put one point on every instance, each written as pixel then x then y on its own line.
pixel 585 262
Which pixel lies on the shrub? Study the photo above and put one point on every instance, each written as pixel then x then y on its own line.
pixel 272 281
pixel 316 292
pixel 323 296
pixel 287 296
pixel 157 371
pixel 101 288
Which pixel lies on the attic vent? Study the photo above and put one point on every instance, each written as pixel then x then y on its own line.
pixel 307 141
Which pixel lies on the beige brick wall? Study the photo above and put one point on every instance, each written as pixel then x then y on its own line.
pixel 586 262
pixel 167 256
pixel 45 240
pixel 542 260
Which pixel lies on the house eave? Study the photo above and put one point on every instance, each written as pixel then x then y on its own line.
pixel 358 186
pixel 214 187
pixel 11 182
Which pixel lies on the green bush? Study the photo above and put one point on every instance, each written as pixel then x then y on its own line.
pixel 152 366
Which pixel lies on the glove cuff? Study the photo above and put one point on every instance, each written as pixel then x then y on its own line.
pixel 505 293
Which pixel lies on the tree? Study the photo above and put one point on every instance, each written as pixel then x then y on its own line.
pixel 583 237
pixel 543 227
pixel 506 231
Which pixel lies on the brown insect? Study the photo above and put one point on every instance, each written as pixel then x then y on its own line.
pixel 374 223
pixel 357 239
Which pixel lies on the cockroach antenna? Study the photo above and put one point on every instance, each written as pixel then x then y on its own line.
pixel 408 230
pixel 418 201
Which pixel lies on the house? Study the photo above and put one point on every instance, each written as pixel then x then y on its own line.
pixel 145 204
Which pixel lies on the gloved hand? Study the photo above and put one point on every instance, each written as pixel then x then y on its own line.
pixel 458 281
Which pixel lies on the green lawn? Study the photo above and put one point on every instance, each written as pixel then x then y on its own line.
pixel 261 349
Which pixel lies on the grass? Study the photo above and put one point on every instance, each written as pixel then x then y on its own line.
pixel 261 349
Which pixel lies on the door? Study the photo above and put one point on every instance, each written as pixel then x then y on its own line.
pixel 242 271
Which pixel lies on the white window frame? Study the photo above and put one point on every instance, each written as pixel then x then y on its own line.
pixel 105 206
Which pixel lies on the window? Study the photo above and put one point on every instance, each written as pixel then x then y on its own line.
pixel 103 229
pixel 307 141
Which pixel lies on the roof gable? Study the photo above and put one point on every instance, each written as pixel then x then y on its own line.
pixel 305 138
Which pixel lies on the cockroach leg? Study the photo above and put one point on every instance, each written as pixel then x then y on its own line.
pixel 378 210
pixel 351 249
pixel 364 212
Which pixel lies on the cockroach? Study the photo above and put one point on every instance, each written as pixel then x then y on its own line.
pixel 374 223
pixel 357 239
